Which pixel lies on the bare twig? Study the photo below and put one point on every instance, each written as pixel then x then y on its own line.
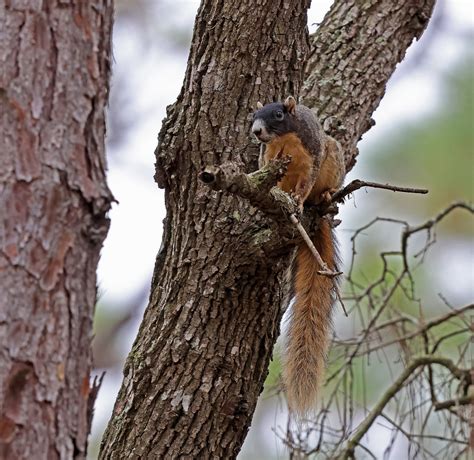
pixel 325 270
pixel 384 315
pixel 362 429
pixel 463 401
pixel 428 225
pixel 93 392
pixel 430 324
pixel 357 184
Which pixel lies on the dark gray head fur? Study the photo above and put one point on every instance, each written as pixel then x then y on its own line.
pixel 277 118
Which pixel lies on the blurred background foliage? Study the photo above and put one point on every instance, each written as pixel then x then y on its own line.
pixel 436 151
pixel 430 147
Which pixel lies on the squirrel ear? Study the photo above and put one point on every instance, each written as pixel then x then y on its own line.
pixel 290 104
pixel 259 105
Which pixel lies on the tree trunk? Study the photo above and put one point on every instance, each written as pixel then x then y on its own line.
pixel 353 54
pixel 54 199
pixel 200 359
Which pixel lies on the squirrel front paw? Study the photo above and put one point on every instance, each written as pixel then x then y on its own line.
pixel 326 196
pixel 299 200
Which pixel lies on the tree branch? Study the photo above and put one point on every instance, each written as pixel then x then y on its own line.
pixel 357 184
pixel 421 330
pixel 345 78
pixel 259 188
pixel 463 375
pixel 463 401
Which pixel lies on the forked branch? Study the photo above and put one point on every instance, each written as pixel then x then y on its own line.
pixel 464 375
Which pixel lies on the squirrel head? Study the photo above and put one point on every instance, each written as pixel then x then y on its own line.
pixel 275 119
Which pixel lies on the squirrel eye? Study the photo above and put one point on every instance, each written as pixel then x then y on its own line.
pixel 279 115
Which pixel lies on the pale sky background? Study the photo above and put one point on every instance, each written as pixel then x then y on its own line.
pixel 154 79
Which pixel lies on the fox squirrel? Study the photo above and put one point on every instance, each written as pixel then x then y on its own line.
pixel 315 171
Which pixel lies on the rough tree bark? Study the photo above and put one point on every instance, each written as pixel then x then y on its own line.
pixel 55 60
pixel 199 362
pixel 353 54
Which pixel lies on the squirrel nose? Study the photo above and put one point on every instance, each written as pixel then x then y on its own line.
pixel 258 128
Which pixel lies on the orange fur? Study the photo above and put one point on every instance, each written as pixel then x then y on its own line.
pixel 299 175
pixel 310 324
pixel 310 319
pixel 331 171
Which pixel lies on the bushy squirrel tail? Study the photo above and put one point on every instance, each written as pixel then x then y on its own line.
pixel 310 324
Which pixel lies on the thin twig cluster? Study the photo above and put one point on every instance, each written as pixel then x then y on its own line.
pixel 403 368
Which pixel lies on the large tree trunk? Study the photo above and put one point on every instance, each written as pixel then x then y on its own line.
pixel 353 54
pixel 55 63
pixel 200 359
